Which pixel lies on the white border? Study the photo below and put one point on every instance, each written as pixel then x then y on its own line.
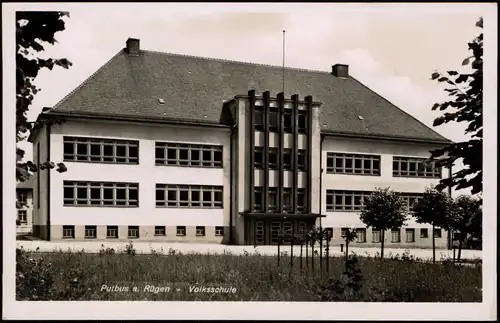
pixel 252 310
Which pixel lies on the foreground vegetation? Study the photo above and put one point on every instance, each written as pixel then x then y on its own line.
pixel 249 277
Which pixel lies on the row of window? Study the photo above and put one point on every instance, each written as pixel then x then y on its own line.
pixel 108 194
pixel 352 201
pixel 273 200
pixel 359 164
pixel 272 159
pixel 395 234
pixel 133 232
pixel 274 120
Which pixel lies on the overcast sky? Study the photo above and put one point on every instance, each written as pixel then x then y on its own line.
pixel 393 49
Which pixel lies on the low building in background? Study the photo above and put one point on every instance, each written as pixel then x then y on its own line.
pixel 24 195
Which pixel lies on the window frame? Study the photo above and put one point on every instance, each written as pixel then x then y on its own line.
pixel 25 216
pixel 200 231
pixel 422 230
pixel 89 228
pixel 215 160
pixel 219 231
pixel 133 229
pixel 398 240
pixel 78 187
pixel 333 168
pixel 112 228
pixel 68 229
pixel 180 231
pixel 408 230
pixel 160 231
pixel 422 169
pixel 128 158
pixel 353 196
pixel 212 203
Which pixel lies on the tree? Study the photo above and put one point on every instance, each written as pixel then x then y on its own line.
pixel 434 208
pixel 384 209
pixel 34 29
pixel 466 101
pixel 466 218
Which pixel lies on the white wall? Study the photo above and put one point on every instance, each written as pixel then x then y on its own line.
pixel 145 173
pixel 40 207
pixel 386 149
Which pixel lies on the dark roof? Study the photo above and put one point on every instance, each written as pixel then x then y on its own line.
pixel 27 184
pixel 195 88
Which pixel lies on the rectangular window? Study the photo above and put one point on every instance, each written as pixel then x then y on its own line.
pixel 273 199
pixel 189 196
pixel 22 197
pixel 410 235
pixel 301 160
pixel 302 121
pixel 343 232
pixel 112 232
pixel 273 158
pixel 273 119
pixel 329 233
pixel 352 164
pixel 415 167
pixel 259 118
pixel 410 199
pixel 160 231
pixel 437 233
pixel 376 236
pixel 287 199
pixel 22 216
pixel 99 150
pixel 219 231
pixel 360 235
pixel 287 121
pixel 200 231
pixel 100 194
pixel 301 200
pixel 133 232
pixel 287 159
pixel 90 232
pixel 258 199
pixel 395 235
pixel 191 155
pixel 424 233
pixel 181 231
pixel 258 157
pixel 345 201
pixel 68 231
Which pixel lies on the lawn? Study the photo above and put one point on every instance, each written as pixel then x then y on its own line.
pixel 249 277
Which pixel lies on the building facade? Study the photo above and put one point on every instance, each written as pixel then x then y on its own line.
pixel 166 147
pixel 24 195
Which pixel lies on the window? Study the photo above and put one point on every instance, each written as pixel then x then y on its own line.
pixel 360 235
pixel 133 232
pixel 345 201
pixel 22 216
pixel 414 167
pixel 302 121
pixel 90 232
pixel 188 196
pixel 395 235
pixel 302 228
pixel 273 158
pixel 97 150
pixel 173 154
pixel 273 199
pixel 287 159
pixel 160 231
pixel 258 199
pixel 437 233
pixel 411 198
pixel 101 194
pixel 329 233
pixel 301 200
pixel 287 199
pixel 273 119
pixel 200 231
pixel 424 233
pixel 376 236
pixel 112 232
pixel 343 232
pixel 22 197
pixel 287 121
pixel 301 160
pixel 219 231
pixel 68 231
pixel 258 157
pixel 410 235
pixel 352 164
pixel 181 231
pixel 259 118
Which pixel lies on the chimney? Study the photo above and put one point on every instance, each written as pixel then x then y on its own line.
pixel 133 47
pixel 340 70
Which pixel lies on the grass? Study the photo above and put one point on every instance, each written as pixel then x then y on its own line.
pixel 80 276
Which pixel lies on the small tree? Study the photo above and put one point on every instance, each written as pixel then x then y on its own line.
pixel 434 208
pixel 466 218
pixel 384 209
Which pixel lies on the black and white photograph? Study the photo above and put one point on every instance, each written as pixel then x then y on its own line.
pixel 249 161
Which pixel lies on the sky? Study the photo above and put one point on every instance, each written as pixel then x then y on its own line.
pixel 393 49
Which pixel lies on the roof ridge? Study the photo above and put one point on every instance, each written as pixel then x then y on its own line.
pixel 397 107
pixel 87 79
pixel 234 61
